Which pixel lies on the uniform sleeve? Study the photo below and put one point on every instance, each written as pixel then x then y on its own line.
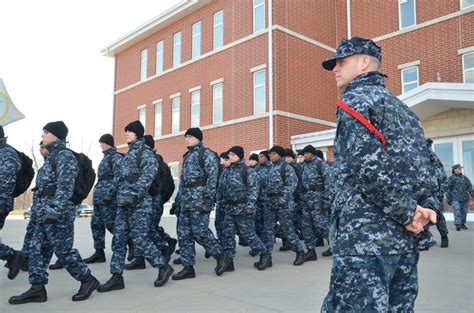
pixel 212 171
pixel 116 165
pixel 450 187
pixel 148 171
pixel 291 180
pixel 66 172
pixel 9 167
pixel 375 171
pixel 252 188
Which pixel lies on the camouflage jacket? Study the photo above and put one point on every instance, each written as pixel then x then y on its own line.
pixel 278 188
pixel 459 188
pixel 107 176
pixel 313 184
pixel 440 174
pixel 263 170
pixel 378 189
pixel 60 178
pixel 197 185
pixel 240 197
pixel 9 167
pixel 134 181
pixel 221 187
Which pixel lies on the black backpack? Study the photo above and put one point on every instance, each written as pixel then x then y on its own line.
pixel 201 161
pixel 25 175
pixel 163 182
pixel 85 178
pixel 299 186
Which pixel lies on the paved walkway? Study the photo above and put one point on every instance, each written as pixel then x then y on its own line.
pixel 446 279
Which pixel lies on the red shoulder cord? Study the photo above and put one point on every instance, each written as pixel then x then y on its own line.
pixel 362 120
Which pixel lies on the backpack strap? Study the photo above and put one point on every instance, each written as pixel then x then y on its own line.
pixel 244 175
pixel 53 159
pixel 202 150
pixel 283 172
pixel 362 120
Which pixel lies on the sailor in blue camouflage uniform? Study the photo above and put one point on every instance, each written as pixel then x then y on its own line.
pixel 459 188
pixel 104 197
pixel 315 222
pixel 220 203
pixel 384 192
pixel 134 213
pixel 263 169
pixel 196 197
pixel 281 183
pixel 10 165
pixel 55 213
pixel 240 197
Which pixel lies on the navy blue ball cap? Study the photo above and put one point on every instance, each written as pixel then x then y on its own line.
pixel 355 45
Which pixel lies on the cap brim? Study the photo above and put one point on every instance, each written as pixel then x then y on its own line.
pixel 329 64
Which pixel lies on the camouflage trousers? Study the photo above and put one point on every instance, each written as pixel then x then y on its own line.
pixel 285 218
pixel 57 238
pixel 102 219
pixel 298 216
pixel 315 224
pixel 30 228
pixel 259 219
pixel 192 227
pixel 219 220
pixel 5 251
pixel 134 223
pixel 385 283
pixel 460 212
pixel 425 240
pixel 244 224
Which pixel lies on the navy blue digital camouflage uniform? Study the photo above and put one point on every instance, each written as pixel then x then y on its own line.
pixel 459 188
pixel 442 179
pixel 378 189
pixel 262 199
pixel 58 237
pixel 240 203
pixel 9 167
pixel 105 197
pixel 220 203
pixel 196 197
pixel 315 221
pixel 281 206
pixel 134 212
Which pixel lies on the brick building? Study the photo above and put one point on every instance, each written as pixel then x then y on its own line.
pixel 218 64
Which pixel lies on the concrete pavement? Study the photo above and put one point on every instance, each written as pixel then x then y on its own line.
pixel 446 278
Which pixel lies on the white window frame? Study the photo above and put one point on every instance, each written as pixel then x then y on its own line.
pixel 176 49
pixel 215 26
pixel 400 14
pixel 214 98
pixel 159 121
pixel 143 64
pixel 160 56
pixel 196 123
pixel 142 109
pixel 173 121
pixel 465 7
pixel 457 148
pixel 196 51
pixel 464 70
pixel 255 87
pixel 406 83
pixel 255 7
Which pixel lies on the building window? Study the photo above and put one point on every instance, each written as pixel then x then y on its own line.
pixel 258 15
pixel 176 49
pixel 143 64
pixel 174 168
pixel 142 116
pixel 217 110
pixel 195 108
pixel 409 78
pixel 259 105
pixel 456 150
pixel 159 57
pixel 407 13
pixel 196 48
pixel 466 4
pixel 175 107
pixel 218 29
pixel 158 119
pixel 468 67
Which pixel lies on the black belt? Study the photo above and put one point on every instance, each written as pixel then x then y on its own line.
pixel 131 178
pixel 194 184
pixel 47 192
pixel 238 201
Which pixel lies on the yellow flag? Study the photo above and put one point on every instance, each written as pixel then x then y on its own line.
pixel 8 112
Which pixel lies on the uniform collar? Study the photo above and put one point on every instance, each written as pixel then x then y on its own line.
pixel 110 151
pixel 137 144
pixel 364 79
pixel 57 145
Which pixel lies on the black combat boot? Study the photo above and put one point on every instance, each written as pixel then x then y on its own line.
pixel 253 253
pixel 310 255
pixel 56 266
pixel 137 264
pixel 97 257
pixel 221 264
pixel 207 255
pixel 37 293
pixel 114 283
pixel 88 286
pixel 177 261
pixel 172 244
pixel 164 275
pixel 285 245
pixel 24 264
pixel 14 264
pixel 319 242
pixel 328 252
pixel 299 258
pixel 177 251
pixel 264 262
pixel 166 253
pixel 242 242
pixel 444 241
pixel 463 226
pixel 458 227
pixel 130 256
pixel 230 265
pixel 186 272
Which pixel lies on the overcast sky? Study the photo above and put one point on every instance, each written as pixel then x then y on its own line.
pixel 51 64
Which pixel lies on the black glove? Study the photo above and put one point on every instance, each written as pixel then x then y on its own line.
pixel 174 209
pixel 50 218
pixel 108 198
pixel 129 202
pixel 4 212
